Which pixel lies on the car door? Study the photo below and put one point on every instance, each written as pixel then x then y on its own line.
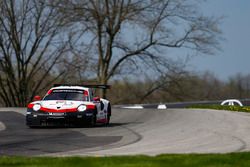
pixel 101 115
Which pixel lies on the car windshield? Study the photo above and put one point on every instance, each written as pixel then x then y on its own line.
pixel 74 95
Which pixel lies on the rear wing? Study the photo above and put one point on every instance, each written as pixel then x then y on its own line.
pixel 87 86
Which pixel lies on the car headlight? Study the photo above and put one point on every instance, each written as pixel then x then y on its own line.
pixel 36 107
pixel 81 108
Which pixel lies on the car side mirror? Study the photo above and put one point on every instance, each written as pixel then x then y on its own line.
pixel 97 99
pixel 37 98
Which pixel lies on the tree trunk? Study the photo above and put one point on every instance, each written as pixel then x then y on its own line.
pixel 103 92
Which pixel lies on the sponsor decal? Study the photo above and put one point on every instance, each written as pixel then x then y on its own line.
pixel 56 114
pixel 79 116
pixel 68 90
pixel 89 114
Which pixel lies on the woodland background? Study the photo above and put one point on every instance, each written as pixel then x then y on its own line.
pixel 128 44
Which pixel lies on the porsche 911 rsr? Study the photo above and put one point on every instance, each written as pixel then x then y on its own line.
pixel 68 105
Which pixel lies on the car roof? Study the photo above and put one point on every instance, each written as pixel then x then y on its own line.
pixel 71 87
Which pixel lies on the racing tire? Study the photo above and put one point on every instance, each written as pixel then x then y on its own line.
pixel 93 120
pixel 108 114
pixel 108 120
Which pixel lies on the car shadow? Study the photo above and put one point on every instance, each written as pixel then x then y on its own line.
pixel 110 125
pixel 18 139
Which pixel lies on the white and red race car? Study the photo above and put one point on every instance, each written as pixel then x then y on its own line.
pixel 69 105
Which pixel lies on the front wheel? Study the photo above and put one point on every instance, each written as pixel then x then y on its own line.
pixel 108 114
pixel 93 120
pixel 108 120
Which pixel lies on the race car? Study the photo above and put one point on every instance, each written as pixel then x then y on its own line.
pixel 69 105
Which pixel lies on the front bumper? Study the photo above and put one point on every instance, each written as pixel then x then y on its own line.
pixel 41 118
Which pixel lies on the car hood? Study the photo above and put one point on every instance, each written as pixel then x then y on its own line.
pixel 60 104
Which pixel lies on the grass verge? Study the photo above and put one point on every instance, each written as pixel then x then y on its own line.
pixel 220 107
pixel 183 160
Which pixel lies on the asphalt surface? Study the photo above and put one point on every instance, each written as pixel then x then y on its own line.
pixel 18 139
pixel 149 132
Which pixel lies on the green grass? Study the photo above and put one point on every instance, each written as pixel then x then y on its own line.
pixel 180 160
pixel 220 107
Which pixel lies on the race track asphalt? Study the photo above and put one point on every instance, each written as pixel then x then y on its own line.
pixel 147 131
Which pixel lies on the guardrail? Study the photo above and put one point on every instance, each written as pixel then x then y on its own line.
pixel 243 102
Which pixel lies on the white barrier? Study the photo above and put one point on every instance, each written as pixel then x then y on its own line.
pixel 162 107
pixel 231 102
pixel 134 107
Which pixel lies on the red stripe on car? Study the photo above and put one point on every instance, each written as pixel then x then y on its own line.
pixel 58 110
pixel 90 106
pixel 86 93
pixel 30 105
pixel 49 92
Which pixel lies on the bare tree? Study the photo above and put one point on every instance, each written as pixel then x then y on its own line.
pixel 123 34
pixel 238 86
pixel 31 43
